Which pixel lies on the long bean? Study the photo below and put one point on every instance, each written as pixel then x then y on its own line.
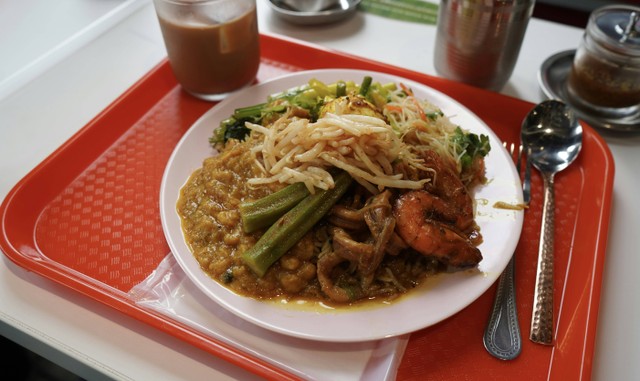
pixel 292 226
pixel 341 89
pixel 250 112
pixel 265 211
pixel 365 85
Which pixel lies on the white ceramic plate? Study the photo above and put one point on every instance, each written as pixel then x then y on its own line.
pixel 441 298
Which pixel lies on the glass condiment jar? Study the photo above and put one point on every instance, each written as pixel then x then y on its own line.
pixel 605 75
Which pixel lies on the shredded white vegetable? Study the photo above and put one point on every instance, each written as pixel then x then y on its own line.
pixel 296 150
pixel 430 132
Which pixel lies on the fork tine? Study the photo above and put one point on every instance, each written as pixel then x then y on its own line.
pixel 526 182
pixel 516 153
pixel 519 157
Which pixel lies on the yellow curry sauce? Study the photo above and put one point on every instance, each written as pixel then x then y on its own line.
pixel 208 206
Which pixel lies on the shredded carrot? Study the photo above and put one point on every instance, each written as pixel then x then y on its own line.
pixel 406 89
pixel 393 108
pixel 423 116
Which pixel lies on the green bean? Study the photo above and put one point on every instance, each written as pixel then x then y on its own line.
pixel 292 226
pixel 265 211
pixel 249 112
pixel 365 85
pixel 341 89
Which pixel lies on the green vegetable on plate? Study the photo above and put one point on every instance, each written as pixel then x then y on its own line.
pixel 293 225
pixel 264 212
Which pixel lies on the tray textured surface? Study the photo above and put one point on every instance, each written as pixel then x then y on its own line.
pixel 88 218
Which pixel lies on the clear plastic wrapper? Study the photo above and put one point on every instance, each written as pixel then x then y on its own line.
pixel 167 290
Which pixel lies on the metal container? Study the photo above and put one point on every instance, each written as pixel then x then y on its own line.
pixel 478 41
pixel 605 75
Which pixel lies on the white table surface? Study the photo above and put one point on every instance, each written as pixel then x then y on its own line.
pixel 65 61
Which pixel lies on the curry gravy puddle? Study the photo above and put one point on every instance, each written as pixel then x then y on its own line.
pixel 323 307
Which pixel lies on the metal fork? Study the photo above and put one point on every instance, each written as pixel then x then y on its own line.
pixel 526 182
pixel 502 335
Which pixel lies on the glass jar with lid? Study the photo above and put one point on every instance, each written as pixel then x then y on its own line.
pixel 605 75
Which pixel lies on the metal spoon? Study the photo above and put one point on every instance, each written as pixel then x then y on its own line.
pixel 310 5
pixel 553 138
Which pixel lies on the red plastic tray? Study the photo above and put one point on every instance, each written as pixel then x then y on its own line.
pixel 87 217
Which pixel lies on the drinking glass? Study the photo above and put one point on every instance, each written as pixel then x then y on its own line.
pixel 212 45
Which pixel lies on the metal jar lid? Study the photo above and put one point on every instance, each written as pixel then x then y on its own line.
pixel 616 28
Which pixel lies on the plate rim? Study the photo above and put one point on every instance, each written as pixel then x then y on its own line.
pixel 297 76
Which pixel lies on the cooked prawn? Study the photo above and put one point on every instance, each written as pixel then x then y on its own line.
pixel 430 226
pixel 447 185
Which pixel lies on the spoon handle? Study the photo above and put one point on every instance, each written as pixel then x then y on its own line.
pixel 542 318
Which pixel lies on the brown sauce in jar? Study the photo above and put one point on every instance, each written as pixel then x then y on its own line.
pixel 604 84
pixel 605 75
pixel 213 59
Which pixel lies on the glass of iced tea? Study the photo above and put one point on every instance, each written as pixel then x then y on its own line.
pixel 213 45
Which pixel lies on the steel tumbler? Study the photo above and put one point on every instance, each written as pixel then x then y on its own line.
pixel 478 41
